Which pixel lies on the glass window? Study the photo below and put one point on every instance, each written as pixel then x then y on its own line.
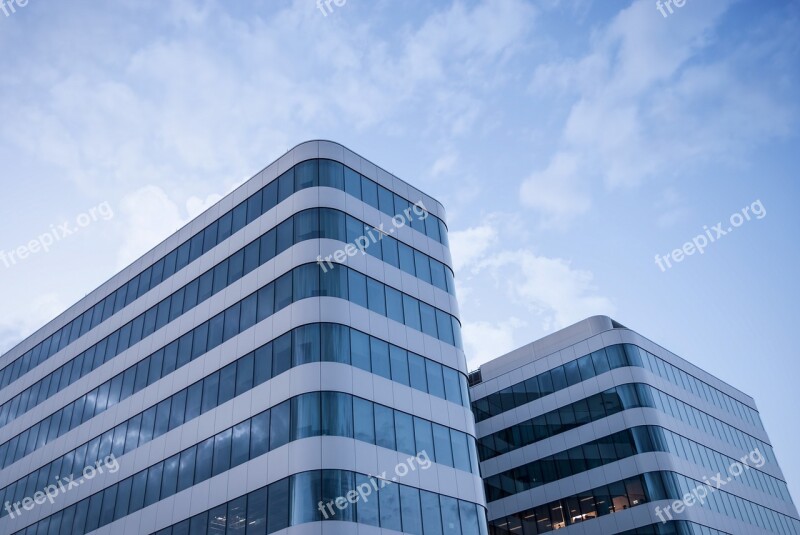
pixel 389 249
pixel 399 363
pixel 162 417
pixel 363 421
pixel 153 488
pixel 306 344
pixel 282 354
pixel 210 392
pixel 306 416
pixel 331 174
pixel 450 515
pixel 283 291
pixel 240 452
pixel 279 425
pixel 358 287
pixel 337 414
pixel 222 453
pixel 394 305
pixel 389 498
pixel 384 427
pixel 451 385
pixel 367 509
pixel 259 434
pixel 435 382
pixel 244 373
pixel 411 312
pixel 428 318
pixel 406 254
pixel 423 267
pixel 186 468
pixel 217 520
pixel 412 511
pixel 585 367
pixel 377 302
pixel 380 358
pixel 423 438
pixel 469 518
pixel 335 343
pixel 263 364
pixel 137 492
pixel 305 490
pixel 460 450
pixel 404 429
pixel 256 512
pixel 369 192
pixel 266 302
pixel 431 513
pixel 442 445
pixel 352 183
pixel 268 246
pixel 359 344
pixel 285 185
pixel 416 366
pixel 332 224
pixel 169 481
pixel 334 282
pixel 278 506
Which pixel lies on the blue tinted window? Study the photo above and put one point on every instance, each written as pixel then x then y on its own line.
pixel 377 302
pixel 404 428
pixel 363 421
pixel 399 363
pixel 380 358
pixel 369 192
pixel 394 305
pixel 359 347
pixel 411 312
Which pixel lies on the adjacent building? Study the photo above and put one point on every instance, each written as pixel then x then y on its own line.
pixel 597 430
pixel 289 361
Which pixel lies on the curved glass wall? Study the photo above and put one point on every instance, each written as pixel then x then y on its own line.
pixel 306 225
pixel 308 415
pixel 632 492
pixel 308 174
pixel 619 446
pixel 297 499
pixel 326 342
pixel 613 401
pixel 597 363
pixel 302 282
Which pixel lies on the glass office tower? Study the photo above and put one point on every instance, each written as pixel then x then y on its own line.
pixel 289 361
pixel 597 430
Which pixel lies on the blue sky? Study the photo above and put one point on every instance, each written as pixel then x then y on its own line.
pixel 570 140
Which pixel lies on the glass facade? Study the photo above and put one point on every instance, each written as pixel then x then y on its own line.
pixel 635 491
pixel 308 415
pixel 597 363
pixel 612 448
pixel 302 282
pixel 309 224
pixel 607 403
pixel 308 174
pixel 327 342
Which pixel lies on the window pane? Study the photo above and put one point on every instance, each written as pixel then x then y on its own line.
pixel 411 312
pixel 412 511
pixel 335 343
pixel 423 437
pixel 306 416
pixel 434 374
pixel 377 302
pixel 384 427
pixel 359 346
pixel 416 366
pixel 259 434
pixel 399 363
pixel 380 358
pixel 363 421
pixel 279 425
pixel 257 512
pixel 394 305
pixel 389 498
pixel 222 453
pixel 306 344
pixel 431 513
pixel 358 288
pixel 278 506
pixel 337 414
pixel 241 443
pixel 404 428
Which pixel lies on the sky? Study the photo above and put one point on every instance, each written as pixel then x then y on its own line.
pixel 571 141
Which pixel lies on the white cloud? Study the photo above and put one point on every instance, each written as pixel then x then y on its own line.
pixel 558 191
pixel 485 340
pixel 470 245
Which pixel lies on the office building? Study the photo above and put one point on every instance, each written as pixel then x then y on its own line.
pixel 597 430
pixel 257 372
